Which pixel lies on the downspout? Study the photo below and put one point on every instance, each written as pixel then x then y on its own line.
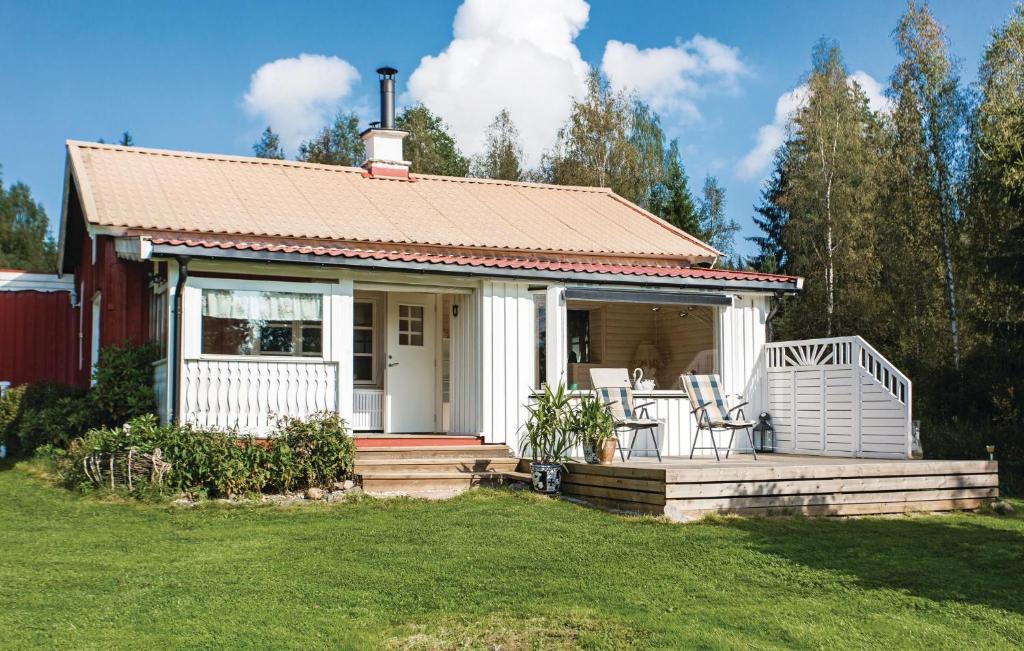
pixel 776 305
pixel 176 366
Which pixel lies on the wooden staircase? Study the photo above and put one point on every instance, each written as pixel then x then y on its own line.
pixel 432 469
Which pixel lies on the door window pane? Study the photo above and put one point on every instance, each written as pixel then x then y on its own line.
pixel 410 325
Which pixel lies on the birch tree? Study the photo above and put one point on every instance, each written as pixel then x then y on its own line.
pixel 928 76
pixel 830 159
pixel 503 153
pixel 610 140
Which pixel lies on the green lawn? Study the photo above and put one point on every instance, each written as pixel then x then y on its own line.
pixel 492 569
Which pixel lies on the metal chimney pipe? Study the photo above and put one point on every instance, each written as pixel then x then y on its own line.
pixel 387 97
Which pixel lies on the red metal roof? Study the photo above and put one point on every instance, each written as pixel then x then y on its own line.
pixel 487 261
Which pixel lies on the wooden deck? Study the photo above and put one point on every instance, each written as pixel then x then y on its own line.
pixel 778 484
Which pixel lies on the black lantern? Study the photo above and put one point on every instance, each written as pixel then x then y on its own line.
pixel 764 433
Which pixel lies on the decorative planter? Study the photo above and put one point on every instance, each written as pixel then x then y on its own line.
pixel 606 453
pixel 547 477
pixel 589 452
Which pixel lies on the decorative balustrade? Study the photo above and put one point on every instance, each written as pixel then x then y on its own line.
pixel 250 394
pixel 837 396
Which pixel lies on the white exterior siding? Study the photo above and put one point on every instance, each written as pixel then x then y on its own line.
pixel 508 339
pixel 466 393
pixel 740 338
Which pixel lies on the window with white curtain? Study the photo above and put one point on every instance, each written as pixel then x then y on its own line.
pixel 252 322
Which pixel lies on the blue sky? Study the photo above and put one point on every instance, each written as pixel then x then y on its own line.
pixel 181 76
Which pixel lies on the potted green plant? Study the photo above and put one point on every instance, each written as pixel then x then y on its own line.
pixel 596 428
pixel 549 436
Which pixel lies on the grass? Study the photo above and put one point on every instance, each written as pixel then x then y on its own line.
pixel 491 569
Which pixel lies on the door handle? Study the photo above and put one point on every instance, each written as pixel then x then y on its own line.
pixel 392 364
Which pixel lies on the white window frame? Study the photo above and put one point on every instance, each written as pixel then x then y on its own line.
pixel 375 351
pixel 193 340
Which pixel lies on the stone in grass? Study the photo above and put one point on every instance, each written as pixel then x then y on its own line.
pixel 346 485
pixel 1002 507
pixel 314 493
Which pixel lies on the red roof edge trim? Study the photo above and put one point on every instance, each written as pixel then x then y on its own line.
pixel 491 262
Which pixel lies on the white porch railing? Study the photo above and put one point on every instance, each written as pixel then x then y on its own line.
pixel 249 395
pixel 367 410
pixel 837 396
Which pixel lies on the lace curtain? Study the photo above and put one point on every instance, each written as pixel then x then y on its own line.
pixel 262 306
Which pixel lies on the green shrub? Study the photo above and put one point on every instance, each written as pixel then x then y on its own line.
pixel 10 412
pixel 123 386
pixel 49 413
pixel 312 452
pixel 316 451
pixel 52 413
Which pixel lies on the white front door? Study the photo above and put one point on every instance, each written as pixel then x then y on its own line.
pixel 411 352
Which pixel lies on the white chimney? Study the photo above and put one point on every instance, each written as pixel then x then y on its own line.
pixel 384 157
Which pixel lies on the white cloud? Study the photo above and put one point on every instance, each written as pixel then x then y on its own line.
pixel 297 96
pixel 770 136
pixel 516 55
pixel 671 78
pixel 873 90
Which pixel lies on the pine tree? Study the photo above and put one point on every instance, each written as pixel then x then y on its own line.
pixel 268 146
pixel 670 198
pixel 429 147
pixel 25 242
pixel 336 144
pixel 772 219
pixel 928 74
pixel 715 228
pixel 502 158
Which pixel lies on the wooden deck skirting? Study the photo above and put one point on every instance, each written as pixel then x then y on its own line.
pixel 684 490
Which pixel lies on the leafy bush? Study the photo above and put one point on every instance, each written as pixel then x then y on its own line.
pixel 124 384
pixel 52 413
pixel 49 413
pixel 312 452
pixel 10 412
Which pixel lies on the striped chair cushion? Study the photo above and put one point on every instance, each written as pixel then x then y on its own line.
pixel 707 389
pixel 619 401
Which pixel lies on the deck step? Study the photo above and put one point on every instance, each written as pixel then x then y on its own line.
pixel 414 440
pixel 406 483
pixel 435 464
pixel 488 451
pixel 515 475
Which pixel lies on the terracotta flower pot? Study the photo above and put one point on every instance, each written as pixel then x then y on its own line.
pixel 606 452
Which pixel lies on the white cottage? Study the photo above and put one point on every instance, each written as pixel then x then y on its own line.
pixel 423 304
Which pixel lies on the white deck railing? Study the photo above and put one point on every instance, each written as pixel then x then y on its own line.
pixel 837 396
pixel 250 394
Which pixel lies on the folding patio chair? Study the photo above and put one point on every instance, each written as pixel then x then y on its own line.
pixel 713 413
pixel 614 389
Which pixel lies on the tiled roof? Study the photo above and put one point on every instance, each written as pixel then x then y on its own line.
pixel 169 191
pixel 490 262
